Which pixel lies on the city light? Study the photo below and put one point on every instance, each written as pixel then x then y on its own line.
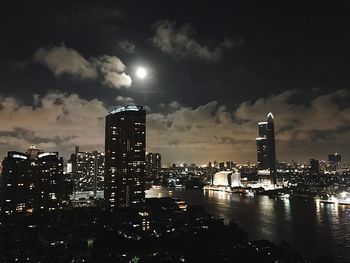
pixel 201 127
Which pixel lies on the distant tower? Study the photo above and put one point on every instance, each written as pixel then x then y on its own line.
pixel 266 150
pixel 125 157
pixel 222 166
pixel 314 167
pixel 153 164
pixel 334 161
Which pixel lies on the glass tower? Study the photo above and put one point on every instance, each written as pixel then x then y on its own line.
pixel 266 150
pixel 125 145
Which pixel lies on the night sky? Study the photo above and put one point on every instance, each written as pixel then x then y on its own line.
pixel 215 68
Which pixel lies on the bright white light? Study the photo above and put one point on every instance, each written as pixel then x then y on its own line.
pixel 141 73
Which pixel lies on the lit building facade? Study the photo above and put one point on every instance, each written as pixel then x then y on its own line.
pixel 125 145
pixel 89 171
pixel 31 182
pixel 153 164
pixel 227 178
pixel 266 150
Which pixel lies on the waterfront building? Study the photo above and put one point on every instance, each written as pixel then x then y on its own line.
pixel 266 150
pixel 227 178
pixel 125 144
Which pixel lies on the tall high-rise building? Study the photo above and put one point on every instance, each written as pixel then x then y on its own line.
pixel 153 164
pixel 125 145
pixel 89 171
pixel 266 151
pixel 31 182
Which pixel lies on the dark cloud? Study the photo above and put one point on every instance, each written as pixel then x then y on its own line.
pixel 61 60
pixel 29 136
pixel 181 42
pixel 127 45
pixel 124 100
pixel 90 13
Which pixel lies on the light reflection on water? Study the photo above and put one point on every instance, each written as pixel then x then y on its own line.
pixel 313 228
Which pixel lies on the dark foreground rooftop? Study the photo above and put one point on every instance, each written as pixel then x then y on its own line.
pixel 158 232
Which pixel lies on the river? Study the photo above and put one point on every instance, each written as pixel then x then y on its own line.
pixel 313 229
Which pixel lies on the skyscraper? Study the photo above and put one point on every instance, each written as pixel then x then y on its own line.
pixel 266 151
pixel 153 164
pixel 31 182
pixel 125 147
pixel 89 171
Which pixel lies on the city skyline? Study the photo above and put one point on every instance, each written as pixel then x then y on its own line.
pixel 205 85
pixel 188 161
pixel 174 131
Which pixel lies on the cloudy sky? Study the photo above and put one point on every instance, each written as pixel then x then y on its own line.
pixel 215 68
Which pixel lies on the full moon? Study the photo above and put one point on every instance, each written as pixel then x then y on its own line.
pixel 141 73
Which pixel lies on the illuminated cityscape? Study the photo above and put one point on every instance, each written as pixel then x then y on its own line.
pixel 174 131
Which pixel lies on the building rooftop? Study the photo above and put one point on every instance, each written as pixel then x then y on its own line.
pixel 270 116
pixel 127 108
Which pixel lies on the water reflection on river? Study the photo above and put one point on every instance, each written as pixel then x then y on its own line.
pixel 312 228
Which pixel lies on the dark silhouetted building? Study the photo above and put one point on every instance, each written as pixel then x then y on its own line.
pixel 314 167
pixel 153 164
pixel 230 165
pixel 222 166
pixel 266 150
pixel 31 182
pixel 125 157
pixel 334 160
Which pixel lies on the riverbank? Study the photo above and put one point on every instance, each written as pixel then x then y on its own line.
pixel 278 193
pixel 313 228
